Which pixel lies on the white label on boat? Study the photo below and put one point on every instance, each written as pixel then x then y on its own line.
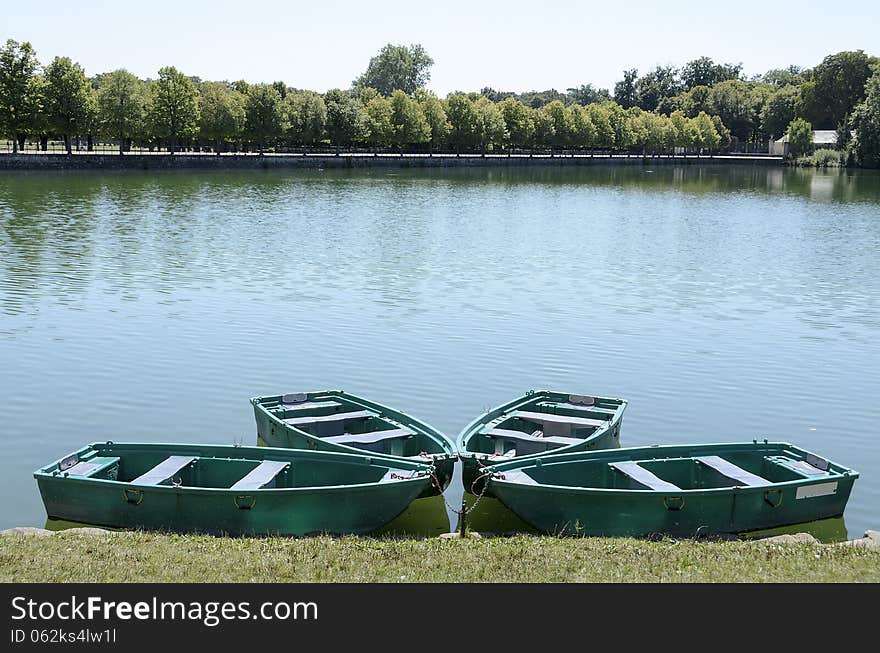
pixel 818 490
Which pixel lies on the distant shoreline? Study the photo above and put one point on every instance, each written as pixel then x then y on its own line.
pixel 189 161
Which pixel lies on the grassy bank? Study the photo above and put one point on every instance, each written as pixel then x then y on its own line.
pixel 143 557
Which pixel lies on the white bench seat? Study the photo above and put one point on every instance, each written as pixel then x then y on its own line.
pixel 308 405
pixel 370 437
pixel 164 471
pixel 548 418
pixel 261 475
pixel 734 473
pixel 644 477
pixel 324 419
pixel 510 434
pixel 569 406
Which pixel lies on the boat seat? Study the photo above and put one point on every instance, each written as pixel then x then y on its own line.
pixel 644 477
pixel 90 467
pixel 549 418
pixel 520 477
pixel 335 417
pixel 731 471
pixel 164 471
pixel 308 405
pixel 371 437
pixel 581 407
pixel 509 434
pixel 261 475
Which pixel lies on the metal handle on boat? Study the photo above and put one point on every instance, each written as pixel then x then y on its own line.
pixel 245 501
pixel 133 495
pixel 673 503
pixel 773 503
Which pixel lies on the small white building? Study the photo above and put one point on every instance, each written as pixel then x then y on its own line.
pixel 822 139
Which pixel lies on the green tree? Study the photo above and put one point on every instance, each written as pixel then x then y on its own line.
pixel 346 119
pixel 544 134
pixel 800 137
pixel 695 100
pixel 779 110
pixel 435 114
pixel 601 119
pixel 705 72
pixel 625 90
pixel 560 118
pixel 583 133
pixel 623 135
pixel 865 120
pixel 19 90
pixel 660 83
pixel 490 123
pixel 264 114
pixel 518 122
pixel 708 137
pixel 408 121
pixel 733 101
pixel 174 107
pixel 222 113
pixel 462 116
pixel 69 99
pixel 122 106
pixel 380 131
pixel 588 94
pixel 306 117
pixel 684 132
pixel 723 131
pixel 839 85
pixel 397 67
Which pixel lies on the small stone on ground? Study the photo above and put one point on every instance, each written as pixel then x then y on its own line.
pixel 25 530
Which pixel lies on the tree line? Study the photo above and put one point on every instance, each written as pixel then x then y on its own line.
pixel 700 106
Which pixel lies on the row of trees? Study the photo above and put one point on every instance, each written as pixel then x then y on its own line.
pixel 177 110
pixel 701 105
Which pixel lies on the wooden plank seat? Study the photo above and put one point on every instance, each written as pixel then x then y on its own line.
pixel 164 471
pixel 371 437
pixel 731 471
pixel 309 405
pixel 509 434
pixel 644 477
pixel 548 418
pixel 519 476
pixel 569 406
pixel 261 475
pixel 324 419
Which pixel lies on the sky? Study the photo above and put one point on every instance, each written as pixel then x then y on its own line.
pixel 510 45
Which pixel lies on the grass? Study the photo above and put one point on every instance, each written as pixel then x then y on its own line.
pixel 149 557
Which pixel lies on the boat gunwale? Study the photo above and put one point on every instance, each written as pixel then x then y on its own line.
pixel 414 466
pixel 471 430
pixel 555 459
pixel 421 427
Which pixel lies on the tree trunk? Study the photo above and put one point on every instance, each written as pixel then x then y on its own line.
pixel 44 142
pixel 219 141
pixel 15 142
pixel 69 144
pixel 90 143
pixel 121 146
pixel 20 139
pixel 171 146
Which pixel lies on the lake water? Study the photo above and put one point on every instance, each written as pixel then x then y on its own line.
pixel 725 303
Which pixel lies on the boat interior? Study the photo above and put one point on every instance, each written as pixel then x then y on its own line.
pixel 549 421
pixel 190 468
pixel 696 472
pixel 337 420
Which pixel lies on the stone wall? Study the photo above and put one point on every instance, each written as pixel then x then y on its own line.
pixel 91 161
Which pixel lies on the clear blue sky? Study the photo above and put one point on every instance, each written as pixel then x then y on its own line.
pixel 509 45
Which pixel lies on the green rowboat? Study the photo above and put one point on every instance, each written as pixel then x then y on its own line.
pixel 686 490
pixel 228 489
pixel 333 420
pixel 536 424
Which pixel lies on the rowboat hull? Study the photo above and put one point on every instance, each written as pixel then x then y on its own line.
pixel 425 444
pixel 567 508
pixel 323 505
pixel 477 452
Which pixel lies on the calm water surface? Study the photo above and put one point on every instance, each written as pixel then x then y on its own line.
pixel 725 303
